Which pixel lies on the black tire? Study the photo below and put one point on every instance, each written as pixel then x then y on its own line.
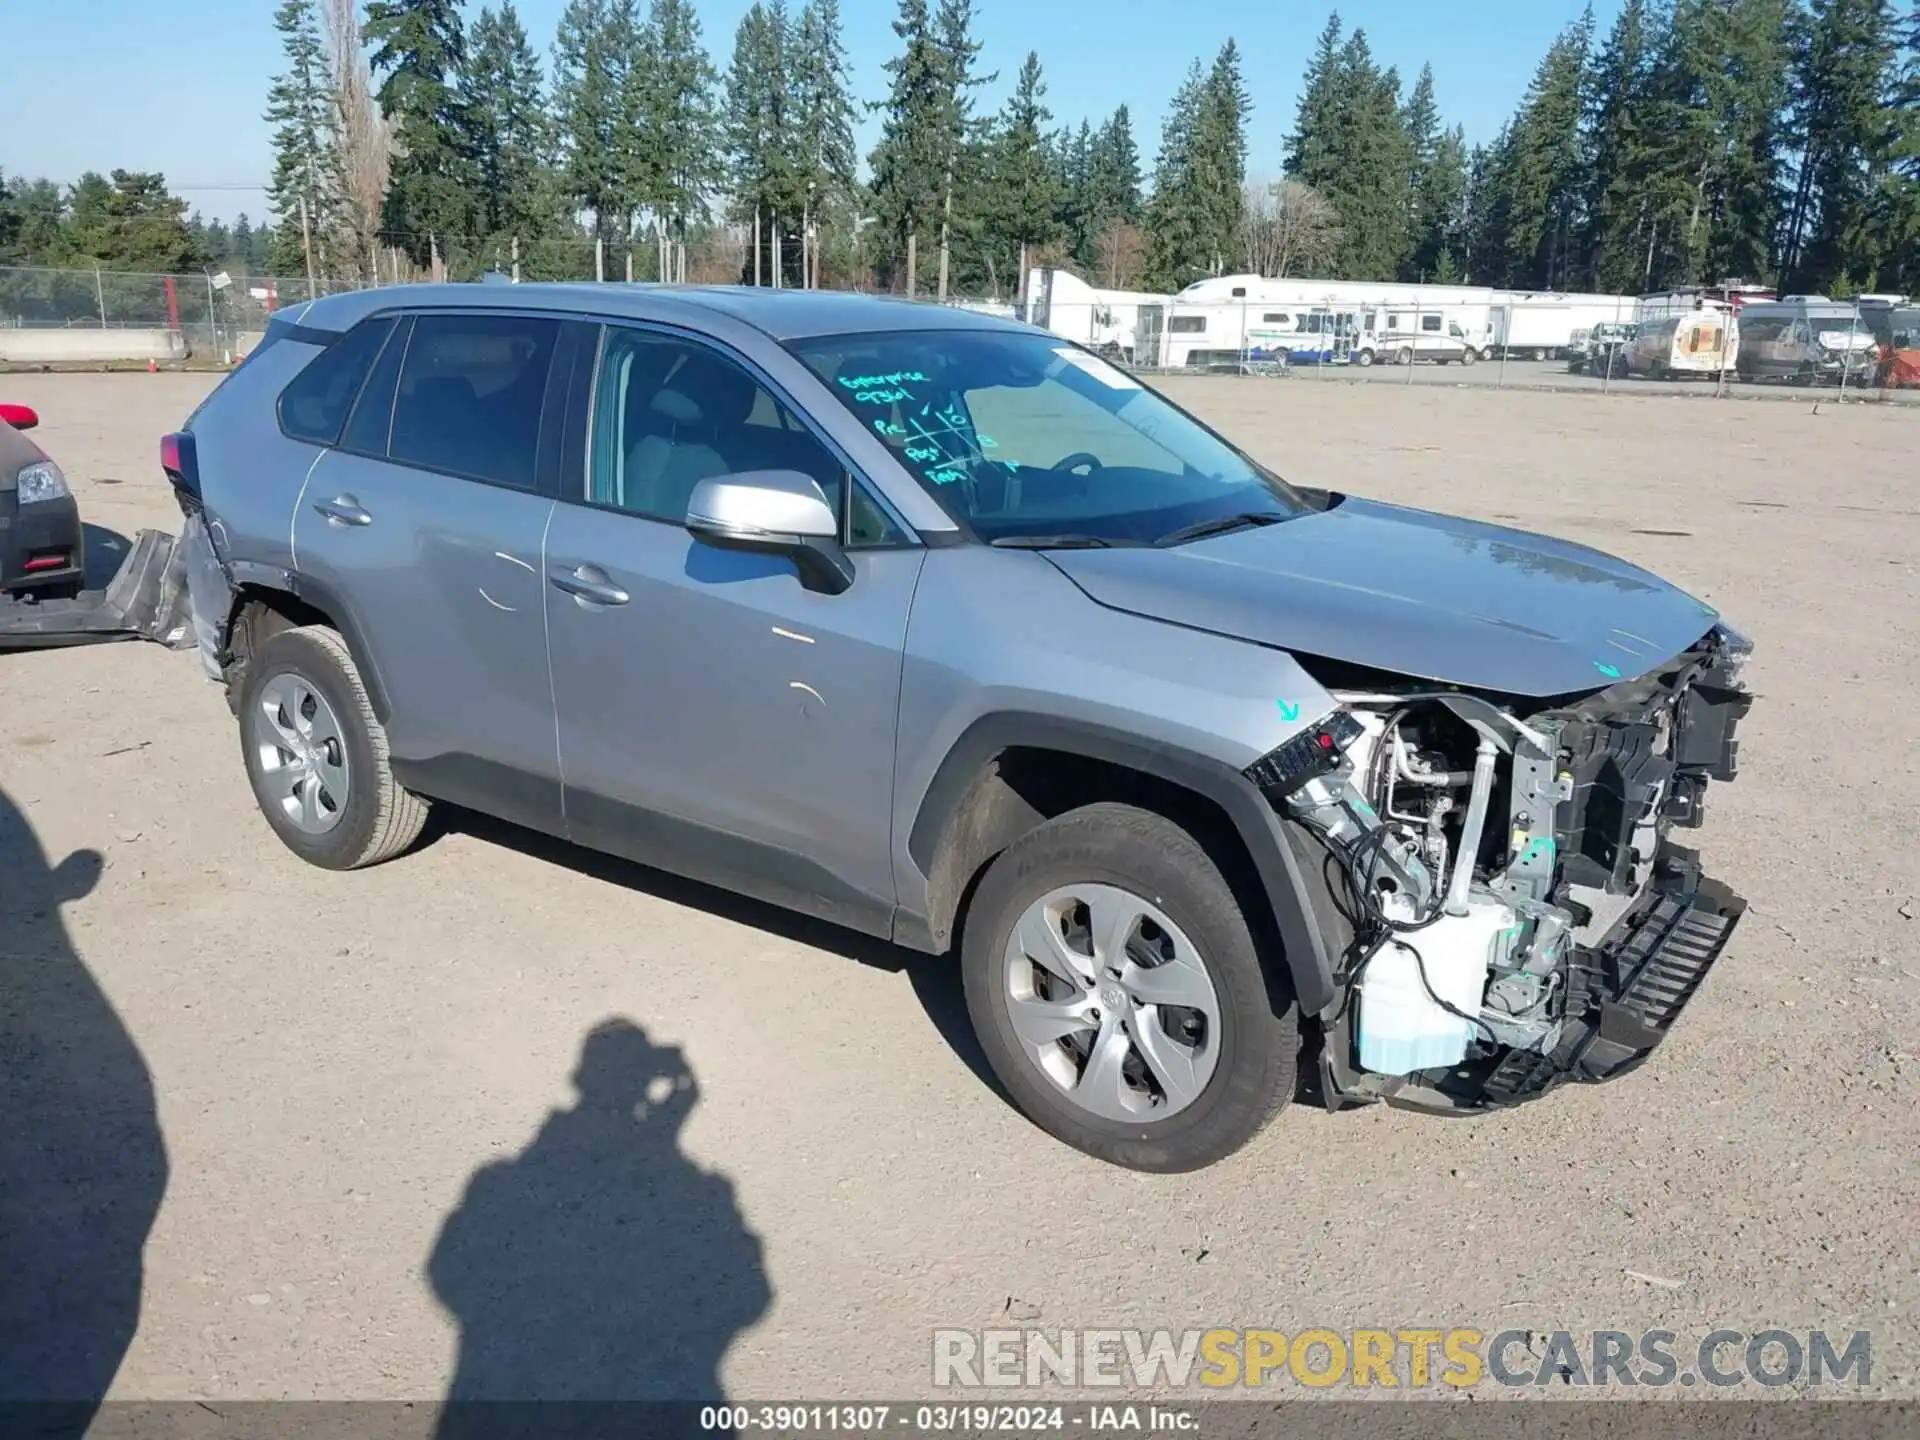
pixel 1364 358
pixel 1150 856
pixel 1403 356
pixel 1469 356
pixel 379 819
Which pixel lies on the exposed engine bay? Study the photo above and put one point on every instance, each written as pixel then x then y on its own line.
pixel 1517 912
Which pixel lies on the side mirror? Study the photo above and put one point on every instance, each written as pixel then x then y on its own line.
pixel 20 417
pixel 779 512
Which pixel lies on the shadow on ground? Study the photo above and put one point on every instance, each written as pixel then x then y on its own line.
pixel 105 550
pixel 601 1263
pixel 82 1162
pixel 935 978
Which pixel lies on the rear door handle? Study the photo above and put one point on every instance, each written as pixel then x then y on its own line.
pixel 588 583
pixel 343 510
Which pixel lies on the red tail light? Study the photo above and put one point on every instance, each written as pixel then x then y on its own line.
pixel 20 417
pixel 182 463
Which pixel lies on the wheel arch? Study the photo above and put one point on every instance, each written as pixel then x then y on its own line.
pixel 1010 771
pixel 291 600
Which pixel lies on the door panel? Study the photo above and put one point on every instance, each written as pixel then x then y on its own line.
pixel 444 578
pixel 724 722
pixel 715 717
pixel 438 552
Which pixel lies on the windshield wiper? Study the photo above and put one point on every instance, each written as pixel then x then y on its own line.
pixel 1057 542
pixel 1219 525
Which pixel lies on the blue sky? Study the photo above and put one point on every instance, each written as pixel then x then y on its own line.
pixel 179 87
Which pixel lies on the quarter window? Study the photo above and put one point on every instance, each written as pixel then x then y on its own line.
pixel 1432 322
pixel 470 396
pixel 1187 325
pixel 314 406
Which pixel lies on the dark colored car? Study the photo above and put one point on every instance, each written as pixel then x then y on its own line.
pixel 41 552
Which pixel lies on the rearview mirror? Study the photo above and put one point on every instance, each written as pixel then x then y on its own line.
pixel 20 417
pixel 781 512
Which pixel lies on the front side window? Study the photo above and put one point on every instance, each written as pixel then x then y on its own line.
pixel 1020 436
pixel 470 396
pixel 1187 325
pixel 669 413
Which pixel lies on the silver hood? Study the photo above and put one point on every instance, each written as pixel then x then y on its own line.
pixel 1428 596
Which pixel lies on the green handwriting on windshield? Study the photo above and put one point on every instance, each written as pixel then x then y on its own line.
pixel 881 389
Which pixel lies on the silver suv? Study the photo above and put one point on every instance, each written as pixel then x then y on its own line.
pixel 952 632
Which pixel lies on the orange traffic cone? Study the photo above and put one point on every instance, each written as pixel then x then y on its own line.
pixel 152 368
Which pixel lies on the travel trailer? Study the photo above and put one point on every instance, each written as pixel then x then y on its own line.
pixel 1691 342
pixel 1232 318
pixel 1109 320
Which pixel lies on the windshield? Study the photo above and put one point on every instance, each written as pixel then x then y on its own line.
pixel 1022 436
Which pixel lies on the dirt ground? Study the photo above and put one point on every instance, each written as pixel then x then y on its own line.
pixel 334 1059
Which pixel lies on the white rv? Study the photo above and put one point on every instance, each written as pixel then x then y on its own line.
pixel 1060 301
pixel 1234 318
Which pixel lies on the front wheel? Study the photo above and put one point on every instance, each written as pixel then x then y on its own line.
pixel 1469 355
pixel 1363 359
pixel 1116 990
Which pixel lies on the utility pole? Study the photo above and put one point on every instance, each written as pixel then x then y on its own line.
pixel 913 255
pixel 599 258
pixel 433 257
pixel 306 244
pixel 516 259
pixel 756 247
pixel 777 277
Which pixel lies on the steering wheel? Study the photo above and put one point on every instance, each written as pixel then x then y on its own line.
pixel 1069 463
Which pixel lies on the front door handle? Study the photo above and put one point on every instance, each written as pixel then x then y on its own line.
pixel 588 584
pixel 343 510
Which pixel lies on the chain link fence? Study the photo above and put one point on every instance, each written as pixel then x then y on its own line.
pixel 54 316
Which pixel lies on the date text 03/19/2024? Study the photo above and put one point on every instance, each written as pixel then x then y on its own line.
pixel 937 1419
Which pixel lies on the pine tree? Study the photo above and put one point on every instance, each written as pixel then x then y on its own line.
pixel 910 161
pixel 1178 243
pixel 763 153
pixel 420 53
pixel 588 50
pixel 1618 122
pixel 300 109
pixel 1220 157
pixel 1420 120
pixel 683 121
pixel 1901 206
pixel 823 118
pixel 508 136
pixel 1439 249
pixel 1368 158
pixel 1025 181
pixel 1747 89
pixel 1309 156
pixel 968 142
pixel 1532 207
pixel 1844 59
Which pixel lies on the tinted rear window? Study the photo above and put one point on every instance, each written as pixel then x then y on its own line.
pixel 315 406
pixel 471 394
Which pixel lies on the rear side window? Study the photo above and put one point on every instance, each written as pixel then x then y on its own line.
pixel 470 396
pixel 315 406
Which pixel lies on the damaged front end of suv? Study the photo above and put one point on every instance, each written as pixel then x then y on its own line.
pixel 1499 880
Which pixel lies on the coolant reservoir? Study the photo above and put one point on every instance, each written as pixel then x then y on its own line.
pixel 1402 1029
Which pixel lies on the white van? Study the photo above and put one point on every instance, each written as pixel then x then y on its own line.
pixel 1400 337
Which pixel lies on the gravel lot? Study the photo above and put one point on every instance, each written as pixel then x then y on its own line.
pixel 333 1058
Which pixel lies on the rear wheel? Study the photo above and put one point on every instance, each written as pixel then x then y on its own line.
pixel 1403 356
pixel 317 757
pixel 1115 988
